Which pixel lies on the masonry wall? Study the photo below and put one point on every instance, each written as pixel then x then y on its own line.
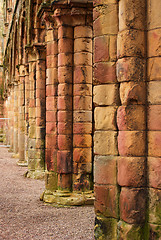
pixel 127 197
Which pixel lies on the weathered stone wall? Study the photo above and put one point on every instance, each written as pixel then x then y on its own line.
pixel 131 209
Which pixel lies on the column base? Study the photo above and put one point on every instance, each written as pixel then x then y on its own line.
pixel 35 174
pixel 66 198
pixel 22 163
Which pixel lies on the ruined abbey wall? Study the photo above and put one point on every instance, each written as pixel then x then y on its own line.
pixel 82 98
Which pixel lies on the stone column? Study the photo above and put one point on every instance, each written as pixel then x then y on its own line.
pixel 131 119
pixel 27 95
pixel 21 138
pixel 36 114
pixel 82 102
pixel 11 120
pixel 65 104
pixel 15 141
pixel 32 112
pixel 40 110
pixel 64 185
pixel 106 102
pixel 154 115
pixel 51 104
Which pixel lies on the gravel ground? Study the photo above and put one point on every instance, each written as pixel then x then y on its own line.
pixel 24 216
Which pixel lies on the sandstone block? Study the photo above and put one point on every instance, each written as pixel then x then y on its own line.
pixel 82 32
pixel 64 128
pixel 82 90
pixel 65 74
pixel 105 118
pixel 51 141
pixel 154 43
pixel 154 92
pixel 65 59
pixel 101 2
pixel 130 211
pixel 51 103
pixel 52 48
pixel 83 59
pixel 51 116
pixel 83 45
pixel 154 68
pixel 51 61
pixel 82 116
pixel 82 103
pixel 131 14
pixel 50 159
pixel 105 143
pixel 51 76
pixel 101 49
pixel 64 181
pixel 104 73
pixel 82 155
pixel 64 162
pixel 65 89
pixel 51 90
pixel 81 128
pixel 105 170
pixel 50 36
pixel 154 166
pixel 65 142
pixel 154 117
pixel 154 143
pixel 83 74
pixel 131 143
pixel 106 200
pixel 113 48
pixel 40 77
pixel 106 94
pixel 132 93
pixel 65 45
pixel 50 181
pixel 131 118
pixel 131 171
pixel 131 43
pixel 107 21
pixel 80 140
pixel 40 93
pixel 64 116
pixel 154 206
pixel 65 32
pixel 64 102
pixel 154 17
pixel 40 132
pixel 131 69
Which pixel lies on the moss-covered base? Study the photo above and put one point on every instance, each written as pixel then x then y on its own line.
pixel 132 231
pixel 105 228
pixel 37 174
pixel 66 198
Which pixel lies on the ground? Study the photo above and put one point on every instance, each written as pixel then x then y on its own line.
pixel 24 216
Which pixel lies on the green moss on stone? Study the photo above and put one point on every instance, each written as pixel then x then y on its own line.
pixel 131 231
pixel 105 228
